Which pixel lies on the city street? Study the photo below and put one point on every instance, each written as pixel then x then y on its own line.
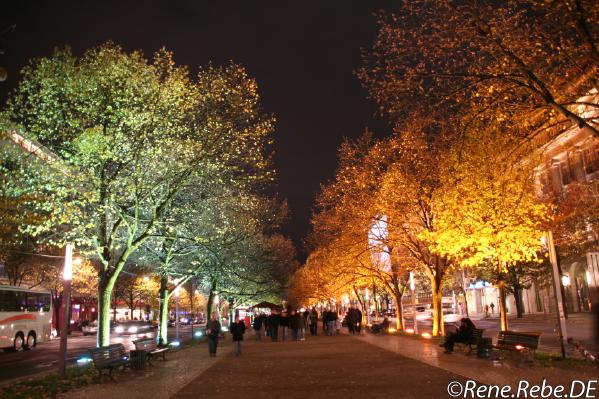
pixel 379 170
pixel 45 355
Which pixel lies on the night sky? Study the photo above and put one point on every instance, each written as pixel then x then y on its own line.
pixel 303 55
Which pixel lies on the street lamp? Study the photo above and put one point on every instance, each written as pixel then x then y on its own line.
pixel 177 314
pixel 67 276
pixel 413 289
pixel 559 300
pixel 367 299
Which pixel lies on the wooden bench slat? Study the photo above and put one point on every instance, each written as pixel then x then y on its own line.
pixel 109 358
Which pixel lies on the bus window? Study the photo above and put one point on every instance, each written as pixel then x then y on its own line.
pixel 38 302
pixel 8 301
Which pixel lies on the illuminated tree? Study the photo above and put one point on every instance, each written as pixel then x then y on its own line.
pixel 112 119
pixel 530 61
pixel 85 281
pixel 489 213
pixel 409 188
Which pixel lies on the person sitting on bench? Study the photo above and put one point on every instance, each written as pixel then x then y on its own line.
pixel 463 334
pixel 383 327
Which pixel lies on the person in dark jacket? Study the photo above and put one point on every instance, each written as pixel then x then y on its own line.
pixel 257 326
pixel 463 334
pixel 273 325
pixel 313 321
pixel 213 331
pixel 331 317
pixel 350 318
pixel 294 325
pixel 382 327
pixel 284 323
pixel 237 329
pixel 358 316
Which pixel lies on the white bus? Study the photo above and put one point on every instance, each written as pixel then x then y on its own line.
pixel 25 317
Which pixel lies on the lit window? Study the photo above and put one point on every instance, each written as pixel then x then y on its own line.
pixel 566 172
pixel 591 160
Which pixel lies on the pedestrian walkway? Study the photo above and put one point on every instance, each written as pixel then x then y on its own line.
pixel 380 366
pixel 320 367
pixel 160 381
pixel 471 367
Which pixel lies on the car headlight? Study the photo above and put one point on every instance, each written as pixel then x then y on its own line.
pixel 132 330
pixel 119 330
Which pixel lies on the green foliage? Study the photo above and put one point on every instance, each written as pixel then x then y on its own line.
pixel 133 139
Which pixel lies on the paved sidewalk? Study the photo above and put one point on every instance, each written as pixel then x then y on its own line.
pixel 161 381
pixel 320 367
pixel 471 367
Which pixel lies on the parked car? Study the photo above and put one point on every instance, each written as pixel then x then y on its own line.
pixel 450 317
pixel 133 327
pixel 91 328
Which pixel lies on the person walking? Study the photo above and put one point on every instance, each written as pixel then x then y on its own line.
pixel 284 323
pixel 237 329
pixel 294 325
pixel 273 325
pixel 358 316
pixel 313 322
pixel 213 331
pixel 257 326
pixel 331 316
pixel 351 320
pixel 303 324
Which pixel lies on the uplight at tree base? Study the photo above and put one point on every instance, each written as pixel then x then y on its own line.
pixel 409 330
pixel 426 335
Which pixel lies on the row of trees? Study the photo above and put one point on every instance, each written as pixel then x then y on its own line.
pixel 143 166
pixel 467 87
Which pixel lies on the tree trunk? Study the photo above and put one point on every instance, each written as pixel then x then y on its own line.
pixel 163 312
pixel 191 294
pixel 104 302
pixel 398 295
pixel 502 305
pixel 438 326
pixel 104 306
pixel 56 304
pixel 210 302
pixel 361 304
pixel 519 302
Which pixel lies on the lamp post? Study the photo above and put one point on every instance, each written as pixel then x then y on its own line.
pixel 67 275
pixel 177 314
pixel 413 289
pixel 559 300
pixel 367 298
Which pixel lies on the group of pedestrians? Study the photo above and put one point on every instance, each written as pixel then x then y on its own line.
pixel 288 325
pixel 214 329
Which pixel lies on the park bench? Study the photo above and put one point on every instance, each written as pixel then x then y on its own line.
pixel 477 334
pixel 522 343
pixel 109 358
pixel 151 347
